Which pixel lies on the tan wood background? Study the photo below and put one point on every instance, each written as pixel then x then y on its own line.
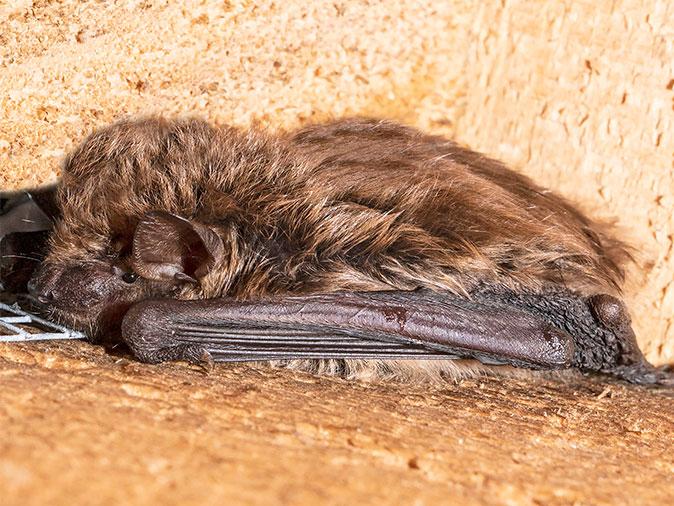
pixel 83 427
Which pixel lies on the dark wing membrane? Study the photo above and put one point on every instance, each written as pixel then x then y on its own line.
pixel 25 222
pixel 232 344
pixel 386 325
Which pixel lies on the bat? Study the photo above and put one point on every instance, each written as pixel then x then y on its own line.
pixel 338 247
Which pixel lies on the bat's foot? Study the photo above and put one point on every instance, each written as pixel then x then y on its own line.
pixel 644 374
pixel 192 353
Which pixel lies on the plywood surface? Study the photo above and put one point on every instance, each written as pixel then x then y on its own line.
pixel 83 427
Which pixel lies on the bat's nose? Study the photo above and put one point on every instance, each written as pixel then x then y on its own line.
pixel 45 296
pixel 41 287
pixel 32 287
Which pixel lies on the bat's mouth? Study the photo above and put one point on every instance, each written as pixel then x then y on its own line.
pixel 100 325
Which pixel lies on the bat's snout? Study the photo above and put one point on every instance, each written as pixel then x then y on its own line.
pixel 42 286
pixel 75 288
pixel 35 291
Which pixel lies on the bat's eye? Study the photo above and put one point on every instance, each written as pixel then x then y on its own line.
pixel 129 277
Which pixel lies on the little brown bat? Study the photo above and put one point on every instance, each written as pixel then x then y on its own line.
pixel 342 247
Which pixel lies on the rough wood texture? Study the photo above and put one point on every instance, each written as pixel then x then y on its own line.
pixel 81 427
pixel 578 95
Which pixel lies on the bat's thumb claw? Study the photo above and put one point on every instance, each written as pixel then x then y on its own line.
pixel 197 355
pixel 206 362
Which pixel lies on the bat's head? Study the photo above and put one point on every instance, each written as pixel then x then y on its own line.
pixel 90 281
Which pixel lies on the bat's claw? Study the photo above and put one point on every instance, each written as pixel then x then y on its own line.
pixel 665 376
pixel 206 362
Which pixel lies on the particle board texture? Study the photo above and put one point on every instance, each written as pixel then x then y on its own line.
pixel 578 95
pixel 80 426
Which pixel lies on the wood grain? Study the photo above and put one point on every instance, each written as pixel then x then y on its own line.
pixel 83 427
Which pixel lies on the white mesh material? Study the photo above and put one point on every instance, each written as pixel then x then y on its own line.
pixel 18 325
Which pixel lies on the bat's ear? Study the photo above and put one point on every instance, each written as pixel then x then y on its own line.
pixel 168 247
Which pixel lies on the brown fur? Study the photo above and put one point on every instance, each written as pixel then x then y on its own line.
pixel 355 204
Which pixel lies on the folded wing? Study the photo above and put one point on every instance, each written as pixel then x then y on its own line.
pixel 387 325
